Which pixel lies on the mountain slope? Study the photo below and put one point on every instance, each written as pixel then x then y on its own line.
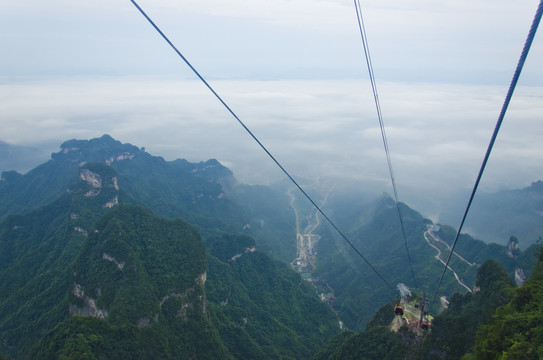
pixel 374 228
pixel 375 342
pixel 494 217
pixel 515 330
pixel 452 333
pixel 264 310
pixel 36 252
pixel 143 277
pixel 89 276
pixel 204 194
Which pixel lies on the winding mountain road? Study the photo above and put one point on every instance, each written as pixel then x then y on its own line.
pixel 429 234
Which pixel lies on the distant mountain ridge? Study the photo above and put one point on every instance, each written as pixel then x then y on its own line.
pixel 494 217
pixel 206 194
pixel 48 241
pixel 376 232
pixel 453 332
pixel 88 273
pixel 51 179
pixel 19 158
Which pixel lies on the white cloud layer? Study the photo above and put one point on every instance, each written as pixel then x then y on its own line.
pixel 294 72
pixel 437 133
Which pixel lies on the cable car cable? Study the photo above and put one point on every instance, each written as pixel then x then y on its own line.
pixel 261 145
pixel 382 126
pixel 512 86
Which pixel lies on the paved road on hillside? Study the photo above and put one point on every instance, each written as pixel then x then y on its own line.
pixel 427 235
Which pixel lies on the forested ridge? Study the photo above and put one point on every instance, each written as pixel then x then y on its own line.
pixel 93 275
pixel 110 252
pixel 499 321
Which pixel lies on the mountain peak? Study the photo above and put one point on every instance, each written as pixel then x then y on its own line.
pixel 103 149
pixel 537 187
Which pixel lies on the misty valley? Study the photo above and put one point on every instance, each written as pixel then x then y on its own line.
pixel 109 252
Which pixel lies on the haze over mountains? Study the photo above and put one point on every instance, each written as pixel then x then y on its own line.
pixel 493 218
pixel 20 158
pixel 92 243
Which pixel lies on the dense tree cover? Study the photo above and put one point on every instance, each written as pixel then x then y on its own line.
pixel 36 253
pixel 228 246
pixel 375 342
pixel 204 194
pixel 36 188
pixel 144 278
pixel 81 337
pixel 270 217
pixel 497 322
pixel 262 308
pixel 134 260
pixel 515 330
pixel 135 267
pixel 170 189
pixel 359 292
pixel 453 331
pixel 61 250
pixel 479 252
pixel 47 182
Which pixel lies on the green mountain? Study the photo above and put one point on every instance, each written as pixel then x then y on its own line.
pixel 264 309
pixel 498 321
pixel 515 330
pixel 137 291
pixel 36 253
pixel 204 194
pixel 90 276
pixel 95 262
pixel 453 331
pixel 494 217
pixel 168 188
pixel 356 292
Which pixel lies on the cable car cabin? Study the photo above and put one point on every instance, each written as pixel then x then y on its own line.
pixel 424 325
pixel 398 310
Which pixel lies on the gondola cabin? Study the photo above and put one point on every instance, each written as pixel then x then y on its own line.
pixel 424 325
pixel 398 310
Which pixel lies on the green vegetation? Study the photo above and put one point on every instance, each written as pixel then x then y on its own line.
pixel 375 342
pixel 453 331
pixel 359 292
pixel 515 330
pixel 262 308
pixel 270 218
pixel 479 252
pixel 80 280
pixel 142 276
pixel 37 251
pixel 134 260
pixel 81 337
pixel 378 343
pixel 497 322
pixel 138 280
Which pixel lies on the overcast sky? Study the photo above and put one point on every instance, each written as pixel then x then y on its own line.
pixel 293 71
